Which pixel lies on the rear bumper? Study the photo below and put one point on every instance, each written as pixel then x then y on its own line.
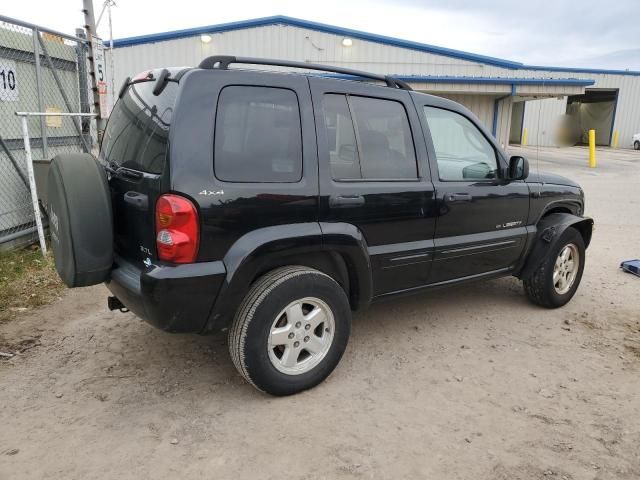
pixel 174 298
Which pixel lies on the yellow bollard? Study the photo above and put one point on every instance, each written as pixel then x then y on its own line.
pixel 524 137
pixel 616 135
pixel 592 148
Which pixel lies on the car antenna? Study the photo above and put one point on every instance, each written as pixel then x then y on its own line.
pixel 538 145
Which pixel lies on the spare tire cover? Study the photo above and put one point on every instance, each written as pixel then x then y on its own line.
pixel 80 219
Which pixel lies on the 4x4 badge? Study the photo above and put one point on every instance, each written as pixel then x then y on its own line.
pixel 211 192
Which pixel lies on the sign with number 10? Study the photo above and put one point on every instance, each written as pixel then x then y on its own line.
pixel 8 81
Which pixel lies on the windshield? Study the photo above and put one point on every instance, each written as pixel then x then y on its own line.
pixel 137 134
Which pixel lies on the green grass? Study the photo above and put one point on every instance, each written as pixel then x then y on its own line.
pixel 26 281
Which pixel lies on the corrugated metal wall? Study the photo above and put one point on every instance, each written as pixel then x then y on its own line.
pixel 293 43
pixel 627 115
pixel 302 44
pixel 540 120
pixel 480 105
pixel 503 121
pixel 483 106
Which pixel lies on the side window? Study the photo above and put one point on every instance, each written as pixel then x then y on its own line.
pixel 368 139
pixel 462 151
pixel 384 138
pixel 258 135
pixel 343 153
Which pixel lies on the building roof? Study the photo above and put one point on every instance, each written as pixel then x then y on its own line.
pixel 578 82
pixel 347 32
pixel 574 82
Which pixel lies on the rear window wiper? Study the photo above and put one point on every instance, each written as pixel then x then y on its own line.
pixel 117 170
pixel 161 80
pixel 138 79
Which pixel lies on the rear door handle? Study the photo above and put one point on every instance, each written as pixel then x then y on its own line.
pixel 346 201
pixel 458 197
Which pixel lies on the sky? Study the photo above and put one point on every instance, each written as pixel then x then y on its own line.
pixel 564 33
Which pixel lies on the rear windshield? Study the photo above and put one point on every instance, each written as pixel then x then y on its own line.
pixel 137 133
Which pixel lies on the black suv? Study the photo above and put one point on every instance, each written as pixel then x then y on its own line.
pixel 274 204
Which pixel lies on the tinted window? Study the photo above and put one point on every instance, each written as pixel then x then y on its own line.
pixel 258 135
pixel 384 138
pixel 462 151
pixel 379 147
pixel 138 130
pixel 343 153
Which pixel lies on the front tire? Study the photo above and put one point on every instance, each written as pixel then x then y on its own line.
pixel 290 331
pixel 556 280
pixel 636 145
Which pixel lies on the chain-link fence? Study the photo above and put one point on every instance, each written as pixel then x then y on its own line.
pixel 40 71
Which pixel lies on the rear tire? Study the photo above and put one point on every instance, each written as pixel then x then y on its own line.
pixel 557 278
pixel 286 312
pixel 636 145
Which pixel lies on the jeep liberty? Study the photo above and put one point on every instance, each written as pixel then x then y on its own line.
pixel 273 204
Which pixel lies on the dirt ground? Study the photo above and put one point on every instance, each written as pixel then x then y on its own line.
pixel 471 383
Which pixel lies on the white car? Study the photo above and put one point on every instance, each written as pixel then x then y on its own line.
pixel 636 141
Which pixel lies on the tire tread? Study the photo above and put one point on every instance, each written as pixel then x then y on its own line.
pixel 534 286
pixel 537 287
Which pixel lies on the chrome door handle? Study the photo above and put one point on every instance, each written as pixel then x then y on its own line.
pixel 458 197
pixel 346 201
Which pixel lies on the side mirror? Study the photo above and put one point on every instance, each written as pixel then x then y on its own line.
pixel 518 168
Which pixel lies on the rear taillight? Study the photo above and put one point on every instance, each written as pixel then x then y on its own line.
pixel 177 229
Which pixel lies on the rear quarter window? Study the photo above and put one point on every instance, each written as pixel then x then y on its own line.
pixel 137 133
pixel 258 135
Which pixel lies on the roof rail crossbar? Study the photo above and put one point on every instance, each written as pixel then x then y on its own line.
pixel 222 62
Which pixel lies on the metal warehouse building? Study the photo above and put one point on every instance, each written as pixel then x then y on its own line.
pixel 517 102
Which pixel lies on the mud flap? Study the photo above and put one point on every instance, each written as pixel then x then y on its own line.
pixel 550 229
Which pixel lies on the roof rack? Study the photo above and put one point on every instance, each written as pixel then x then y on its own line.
pixel 222 62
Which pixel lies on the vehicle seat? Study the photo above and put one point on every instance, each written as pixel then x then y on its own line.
pixel 381 161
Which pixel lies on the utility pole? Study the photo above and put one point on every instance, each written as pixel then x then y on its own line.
pixel 90 27
pixel 107 6
pixel 85 107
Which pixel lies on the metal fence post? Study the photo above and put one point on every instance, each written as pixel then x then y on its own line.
pixel 32 184
pixel 65 98
pixel 43 122
pixel 29 160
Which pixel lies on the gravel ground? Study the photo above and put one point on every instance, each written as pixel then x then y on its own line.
pixel 471 382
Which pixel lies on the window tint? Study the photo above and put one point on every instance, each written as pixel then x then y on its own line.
pixel 258 136
pixel 380 147
pixel 462 151
pixel 138 129
pixel 343 153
